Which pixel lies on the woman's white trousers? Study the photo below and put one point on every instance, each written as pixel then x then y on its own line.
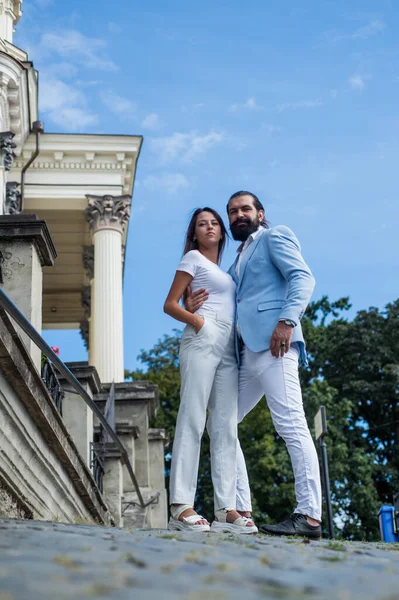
pixel 209 382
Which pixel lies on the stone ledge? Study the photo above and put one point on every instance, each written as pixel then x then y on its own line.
pixel 29 227
pixel 122 428
pixel 84 372
pixel 158 434
pixel 132 391
pixel 24 380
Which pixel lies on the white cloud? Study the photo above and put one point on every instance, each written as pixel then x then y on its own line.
pixel 64 105
pixel 61 69
pixel 363 33
pixel 151 121
pixel 55 93
pixel 357 82
pixel 73 119
pixel 88 82
pixel 187 109
pixel 119 105
pixel 73 45
pixel 185 147
pixel 299 104
pixel 114 27
pixel 270 128
pixel 250 104
pixel 167 182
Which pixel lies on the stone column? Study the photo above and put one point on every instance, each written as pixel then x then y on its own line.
pixel 107 216
pixel 158 512
pixel 25 248
pixel 77 415
pixel 113 483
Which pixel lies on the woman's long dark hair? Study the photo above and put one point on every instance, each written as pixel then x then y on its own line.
pixel 191 244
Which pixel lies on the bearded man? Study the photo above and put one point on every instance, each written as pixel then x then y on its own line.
pixel 274 286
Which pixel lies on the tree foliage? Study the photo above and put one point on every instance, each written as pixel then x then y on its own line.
pixel 354 372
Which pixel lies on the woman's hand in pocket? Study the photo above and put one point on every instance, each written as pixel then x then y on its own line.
pixel 199 323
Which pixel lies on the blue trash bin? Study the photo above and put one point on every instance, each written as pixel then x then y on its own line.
pixel 386 517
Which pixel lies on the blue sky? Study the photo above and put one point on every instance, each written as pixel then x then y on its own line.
pixel 295 100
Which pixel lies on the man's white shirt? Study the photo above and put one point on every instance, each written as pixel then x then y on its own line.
pixel 244 247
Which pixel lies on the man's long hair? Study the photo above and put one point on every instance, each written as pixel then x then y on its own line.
pixel 257 203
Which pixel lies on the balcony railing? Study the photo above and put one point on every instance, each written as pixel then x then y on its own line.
pixel 54 388
pixel 97 464
pixel 8 305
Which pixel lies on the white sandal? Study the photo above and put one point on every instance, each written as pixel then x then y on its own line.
pixel 220 525
pixel 187 523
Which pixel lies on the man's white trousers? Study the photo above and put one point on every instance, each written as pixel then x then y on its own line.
pixel 278 379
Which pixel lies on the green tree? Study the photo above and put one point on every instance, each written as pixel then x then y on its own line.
pixel 360 360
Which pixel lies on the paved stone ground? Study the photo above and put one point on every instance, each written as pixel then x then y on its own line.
pixel 56 561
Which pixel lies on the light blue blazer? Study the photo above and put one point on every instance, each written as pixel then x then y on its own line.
pixel 274 283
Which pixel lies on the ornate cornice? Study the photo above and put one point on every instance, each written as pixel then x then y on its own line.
pixel 29 227
pixel 62 165
pixel 74 165
pixel 108 212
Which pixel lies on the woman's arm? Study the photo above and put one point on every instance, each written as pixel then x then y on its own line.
pixel 172 307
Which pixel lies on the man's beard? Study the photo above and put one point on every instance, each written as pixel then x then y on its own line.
pixel 241 233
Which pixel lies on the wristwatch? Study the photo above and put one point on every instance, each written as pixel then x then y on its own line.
pixel 288 322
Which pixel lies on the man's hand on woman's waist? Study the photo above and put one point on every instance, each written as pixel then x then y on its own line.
pixel 195 300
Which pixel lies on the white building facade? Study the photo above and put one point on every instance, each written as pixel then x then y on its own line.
pixel 80 186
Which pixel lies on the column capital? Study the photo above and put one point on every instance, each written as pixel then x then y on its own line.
pixel 107 212
pixel 7 149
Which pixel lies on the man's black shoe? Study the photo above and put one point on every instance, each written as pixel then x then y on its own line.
pixel 296 524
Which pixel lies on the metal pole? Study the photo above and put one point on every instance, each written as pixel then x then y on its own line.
pixel 326 478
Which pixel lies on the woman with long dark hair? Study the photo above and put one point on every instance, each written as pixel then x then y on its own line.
pixel 209 380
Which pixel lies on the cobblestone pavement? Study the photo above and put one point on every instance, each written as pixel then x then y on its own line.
pixel 54 561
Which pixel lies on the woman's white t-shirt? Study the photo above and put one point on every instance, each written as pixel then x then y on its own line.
pixel 218 283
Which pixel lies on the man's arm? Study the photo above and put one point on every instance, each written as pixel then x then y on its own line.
pixel 195 300
pixel 285 253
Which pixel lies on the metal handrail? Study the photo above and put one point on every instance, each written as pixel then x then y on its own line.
pixel 8 305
